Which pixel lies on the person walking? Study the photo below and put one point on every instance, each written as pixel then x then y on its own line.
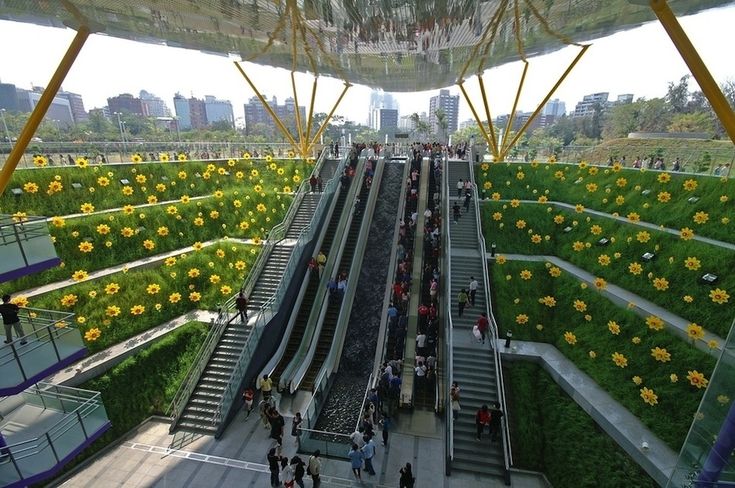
pixel 321 260
pixel 287 474
pixel 407 480
pixel 473 289
pixel 241 304
pixel 460 188
pixel 495 416
pixel 313 182
pixel 482 325
pixel 356 456
pixel 369 451
pixel 277 422
pixel 482 418
pixel 266 385
pixel 462 300
pixel 454 397
pixel 313 468
pixel 295 427
pixel 467 199
pixel 9 312
pixel 298 470
pixel 247 397
pixel 274 467
pixel 387 425
pixel 456 212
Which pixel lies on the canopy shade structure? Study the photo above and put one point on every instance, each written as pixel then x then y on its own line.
pixel 396 45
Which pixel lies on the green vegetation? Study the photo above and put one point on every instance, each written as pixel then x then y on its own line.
pixel 621 192
pixel 676 270
pixel 115 308
pixel 588 329
pixel 145 384
pixel 553 434
pixel 50 191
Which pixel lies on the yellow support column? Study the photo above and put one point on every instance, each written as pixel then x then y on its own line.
pixel 42 106
pixel 690 56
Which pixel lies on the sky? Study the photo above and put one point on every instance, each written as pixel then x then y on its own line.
pixel 640 61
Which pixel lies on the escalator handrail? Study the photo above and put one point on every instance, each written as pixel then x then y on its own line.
pixel 313 328
pixel 308 349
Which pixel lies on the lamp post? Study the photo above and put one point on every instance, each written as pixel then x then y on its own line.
pixel 5 126
pixel 120 124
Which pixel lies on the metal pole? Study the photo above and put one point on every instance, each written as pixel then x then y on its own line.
pixel 42 106
pixel 689 54
pixel 5 125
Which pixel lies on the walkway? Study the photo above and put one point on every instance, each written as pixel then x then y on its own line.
pixel 100 362
pixel 624 298
pixel 647 225
pixel 100 273
pixel 119 209
pixel 147 458
pixel 624 427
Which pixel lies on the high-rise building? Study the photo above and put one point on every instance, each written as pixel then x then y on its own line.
pixel 255 113
pixel 450 106
pixel 153 106
pixel 386 120
pixel 8 97
pixel 218 110
pixel 405 122
pixel 183 114
pixel 198 113
pixel 555 108
pixel 590 103
pixel 125 102
pixel 624 99
pixel 378 100
pixel 77 105
pixel 59 110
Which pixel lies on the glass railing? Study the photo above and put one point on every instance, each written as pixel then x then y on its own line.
pixel 270 307
pixel 329 444
pixel 67 420
pixel 446 273
pixel 50 341
pixel 25 246
pixel 706 457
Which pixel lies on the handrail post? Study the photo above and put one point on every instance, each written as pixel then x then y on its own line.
pixel 79 417
pixel 51 445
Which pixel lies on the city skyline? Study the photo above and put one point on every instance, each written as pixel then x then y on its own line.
pixel 641 60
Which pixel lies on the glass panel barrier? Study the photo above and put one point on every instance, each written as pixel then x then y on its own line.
pixel 25 241
pixel 328 443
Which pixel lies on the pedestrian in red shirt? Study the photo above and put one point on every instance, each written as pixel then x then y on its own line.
pixel 482 325
pixel 482 419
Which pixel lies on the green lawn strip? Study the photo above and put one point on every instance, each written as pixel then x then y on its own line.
pixel 552 434
pixel 112 314
pixel 239 213
pixel 144 384
pixel 569 183
pixel 625 248
pixel 102 187
pixel 518 309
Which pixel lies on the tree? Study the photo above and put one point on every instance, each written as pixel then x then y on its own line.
pixel 677 95
pixel 692 122
pixel 621 120
pixel 441 121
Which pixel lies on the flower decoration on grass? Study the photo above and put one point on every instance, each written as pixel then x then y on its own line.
pixel 163 157
pixel 82 162
pixel 182 157
pixel 649 396
pixel 663 197
pixel 633 217
pixel 195 296
pixel 635 268
pixel 619 359
pixel 112 311
pixel 153 288
pixel 79 275
pixel 654 323
pixel 613 327
pixel 549 301
pixel 92 334
pixel 686 233
pixel 30 187
pixel 661 284
pixel 695 331
pixel 596 230
pixel 578 246
pixel 555 272
pixel 39 161
pixel 692 263
pixel 697 379
pixel 661 354
pixel 700 218
pixel 579 208
pixel 637 380
pixel 136 158
pixel 664 178
pixel 521 224
pixel 673 377
pixel 526 274
pixel 600 284
pixel 570 338
pixel 86 246
pixel 719 296
pixel 713 344
pixel 137 310
pixel 603 259
pixel 69 300
pixel 580 306
pixel 592 354
pixel 690 185
pixel 87 208
pixel 521 319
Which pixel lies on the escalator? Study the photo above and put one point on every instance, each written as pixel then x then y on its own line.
pixel 297 333
pixel 329 325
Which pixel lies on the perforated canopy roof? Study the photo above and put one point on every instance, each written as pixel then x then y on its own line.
pixel 397 45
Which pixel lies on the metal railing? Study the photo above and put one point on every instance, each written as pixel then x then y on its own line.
pixel 508 458
pixel 85 403
pixel 447 291
pixel 271 305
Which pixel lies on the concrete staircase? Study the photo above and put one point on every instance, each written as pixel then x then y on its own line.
pixel 198 416
pixel 473 367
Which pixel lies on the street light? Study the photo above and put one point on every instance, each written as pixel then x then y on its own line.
pixel 5 125
pixel 120 125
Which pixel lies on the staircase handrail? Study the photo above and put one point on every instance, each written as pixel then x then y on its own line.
pixel 301 363
pixel 447 297
pixel 178 404
pixel 266 310
pixel 500 383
